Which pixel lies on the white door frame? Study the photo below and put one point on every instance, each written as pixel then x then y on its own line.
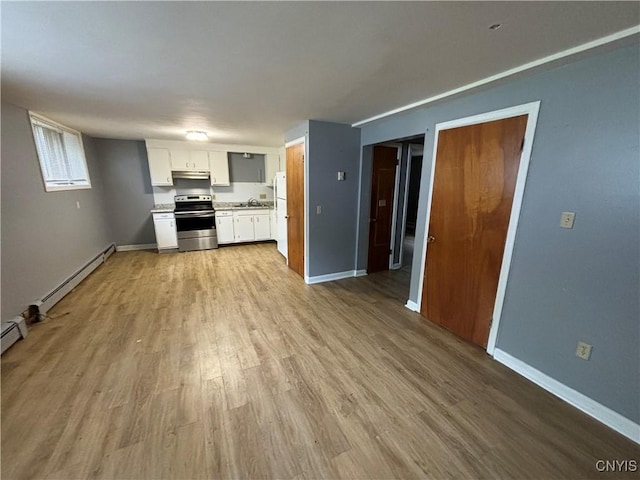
pixel 410 151
pixel 394 214
pixel 530 109
pixel 404 204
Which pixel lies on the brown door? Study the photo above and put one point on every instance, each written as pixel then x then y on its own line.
pixel 382 187
pixel 295 208
pixel 475 178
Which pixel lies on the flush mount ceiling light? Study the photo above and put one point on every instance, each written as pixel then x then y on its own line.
pixel 495 26
pixel 246 155
pixel 196 135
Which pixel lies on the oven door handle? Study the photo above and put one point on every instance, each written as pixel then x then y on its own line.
pixel 194 214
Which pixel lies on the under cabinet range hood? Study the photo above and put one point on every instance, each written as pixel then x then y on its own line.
pixel 191 174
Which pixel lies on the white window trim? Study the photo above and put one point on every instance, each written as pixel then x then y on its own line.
pixel 37 118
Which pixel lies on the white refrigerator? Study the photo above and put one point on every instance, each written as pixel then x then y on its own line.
pixel 280 194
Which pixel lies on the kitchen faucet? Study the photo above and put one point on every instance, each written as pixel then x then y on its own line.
pixel 253 201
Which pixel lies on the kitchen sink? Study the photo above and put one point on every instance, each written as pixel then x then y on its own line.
pixel 246 205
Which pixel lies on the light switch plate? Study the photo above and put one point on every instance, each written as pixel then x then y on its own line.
pixel 340 176
pixel 567 218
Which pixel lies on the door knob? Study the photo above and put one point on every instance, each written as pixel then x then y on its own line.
pixel 286 216
pixel 372 220
pixel 431 239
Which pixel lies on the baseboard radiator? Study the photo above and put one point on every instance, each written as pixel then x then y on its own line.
pixel 16 328
pixel 58 293
pixel 12 331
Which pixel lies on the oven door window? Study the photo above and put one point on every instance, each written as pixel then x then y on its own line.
pixel 190 224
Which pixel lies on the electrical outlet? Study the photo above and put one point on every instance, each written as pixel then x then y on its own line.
pixel 583 351
pixel 263 196
pixel 340 176
pixel 567 218
pixel 318 209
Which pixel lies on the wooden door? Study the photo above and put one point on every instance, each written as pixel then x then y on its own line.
pixel 295 208
pixel 383 182
pixel 474 183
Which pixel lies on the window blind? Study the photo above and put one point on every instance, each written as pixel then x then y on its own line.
pixel 61 156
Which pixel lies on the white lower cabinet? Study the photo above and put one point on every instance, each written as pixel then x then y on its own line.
pixel 224 227
pixel 238 226
pixel 243 226
pixel 262 226
pixel 165 226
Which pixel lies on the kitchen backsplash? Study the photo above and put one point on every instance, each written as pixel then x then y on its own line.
pixel 236 192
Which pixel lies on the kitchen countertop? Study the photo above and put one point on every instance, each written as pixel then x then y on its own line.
pixel 233 206
pixel 163 208
pixel 170 207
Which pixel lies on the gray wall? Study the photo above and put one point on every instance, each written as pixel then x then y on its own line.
pixel 45 238
pixel 128 195
pixel 296 132
pixel 246 170
pixel 565 285
pixel 332 147
pixel 331 235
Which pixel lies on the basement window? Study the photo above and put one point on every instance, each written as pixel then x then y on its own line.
pixel 61 155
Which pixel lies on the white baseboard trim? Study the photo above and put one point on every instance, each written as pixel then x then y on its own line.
pixel 359 273
pixel 330 277
pixel 140 246
pixel 413 306
pixel 109 251
pixel 603 414
pixel 49 300
pixel 396 266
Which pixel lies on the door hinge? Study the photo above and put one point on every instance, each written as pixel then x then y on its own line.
pixel 522 145
pixel 390 251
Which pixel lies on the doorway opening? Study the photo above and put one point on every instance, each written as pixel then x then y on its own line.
pixel 396 171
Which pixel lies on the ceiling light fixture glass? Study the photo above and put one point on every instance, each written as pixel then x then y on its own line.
pixel 495 26
pixel 196 135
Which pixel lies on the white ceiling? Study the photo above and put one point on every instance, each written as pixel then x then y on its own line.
pixel 246 72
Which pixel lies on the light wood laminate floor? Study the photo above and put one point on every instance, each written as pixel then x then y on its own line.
pixel 224 364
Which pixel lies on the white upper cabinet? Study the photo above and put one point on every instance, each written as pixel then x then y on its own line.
pixel 179 159
pixel 160 166
pixel 166 156
pixel 219 166
pixel 272 165
pixel 189 160
pixel 199 159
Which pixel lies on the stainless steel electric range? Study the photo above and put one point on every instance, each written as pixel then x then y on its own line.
pixel 195 222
